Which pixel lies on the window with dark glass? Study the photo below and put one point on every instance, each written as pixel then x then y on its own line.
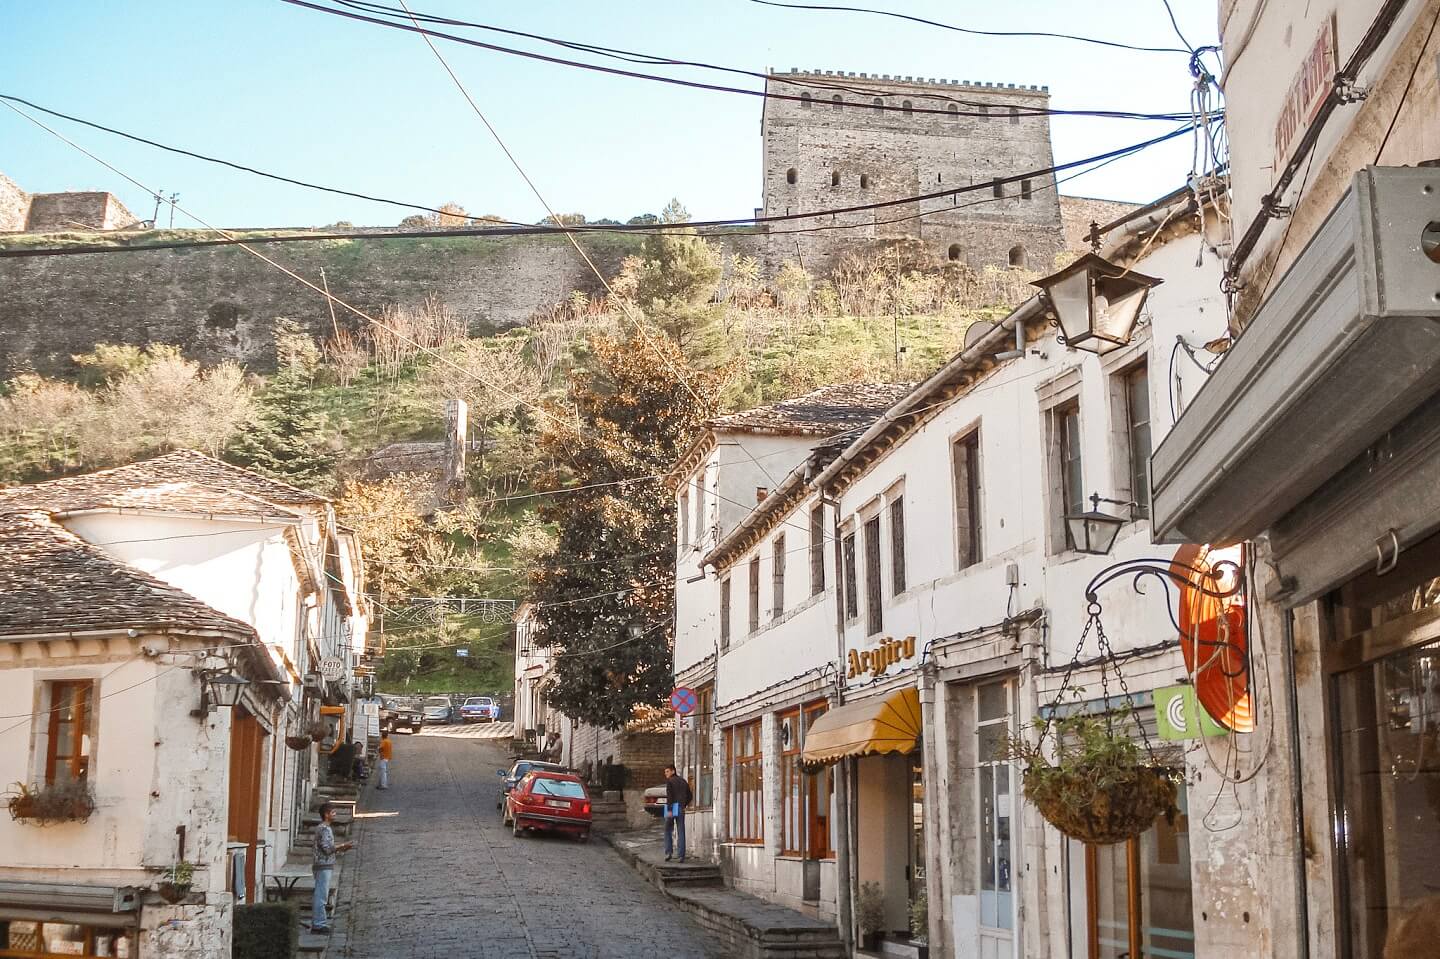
pixel 702 766
pixel 1072 480
pixel 965 462
pixel 805 798
pixel 684 518
pixel 817 550
pixel 897 545
pixel 874 606
pixel 754 594
pixel 777 576
pixel 725 613
pixel 852 597
pixel 1137 430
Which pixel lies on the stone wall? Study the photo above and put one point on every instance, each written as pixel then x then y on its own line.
pixel 837 150
pixel 1078 212
pixel 14 206
pixel 221 303
pixel 59 212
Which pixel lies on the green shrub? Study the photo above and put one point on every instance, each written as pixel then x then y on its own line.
pixel 265 930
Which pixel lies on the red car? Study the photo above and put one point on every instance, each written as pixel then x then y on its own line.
pixel 555 802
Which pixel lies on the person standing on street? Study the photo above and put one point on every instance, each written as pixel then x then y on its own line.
pixel 383 752
pixel 677 797
pixel 326 852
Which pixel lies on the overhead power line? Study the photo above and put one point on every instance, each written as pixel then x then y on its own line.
pixel 870 89
pixel 970 30
pixel 228 239
pixel 696 84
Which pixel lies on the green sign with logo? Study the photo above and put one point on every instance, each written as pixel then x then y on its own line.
pixel 1179 716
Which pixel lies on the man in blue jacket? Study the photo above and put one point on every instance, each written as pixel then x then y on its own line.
pixel 677 797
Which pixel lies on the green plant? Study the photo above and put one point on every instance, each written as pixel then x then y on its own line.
pixel 72 801
pixel 182 874
pixel 870 908
pixel 920 918
pixel 1100 786
pixel 265 930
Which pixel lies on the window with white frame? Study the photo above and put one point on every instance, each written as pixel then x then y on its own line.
pixel 896 510
pixel 1135 393
pixel 874 606
pixel 1064 474
pixel 683 508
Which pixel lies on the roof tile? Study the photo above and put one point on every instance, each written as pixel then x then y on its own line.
pixel 822 412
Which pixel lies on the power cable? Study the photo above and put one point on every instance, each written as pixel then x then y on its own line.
pixel 1410 82
pixel 229 238
pixel 802 80
pixel 624 305
pixel 1176 24
pixel 675 81
pixel 970 30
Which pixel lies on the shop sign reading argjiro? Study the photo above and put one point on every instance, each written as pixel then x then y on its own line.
pixel 876 661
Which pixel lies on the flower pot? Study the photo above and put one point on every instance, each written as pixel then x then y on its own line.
pixel 298 743
pixel 172 892
pixel 45 805
pixel 1112 809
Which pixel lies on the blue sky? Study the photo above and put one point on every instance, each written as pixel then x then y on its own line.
pixel 369 109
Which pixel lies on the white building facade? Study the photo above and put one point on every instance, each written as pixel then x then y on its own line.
pixel 915 580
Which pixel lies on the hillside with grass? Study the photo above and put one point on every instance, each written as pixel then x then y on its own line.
pixel 320 417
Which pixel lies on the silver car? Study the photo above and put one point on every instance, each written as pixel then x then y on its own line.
pixel 439 709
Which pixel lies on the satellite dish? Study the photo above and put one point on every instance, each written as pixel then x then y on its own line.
pixel 977 331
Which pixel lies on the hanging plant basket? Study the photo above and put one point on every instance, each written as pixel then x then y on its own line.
pixel 1100 786
pixel 317 731
pixel 298 743
pixel 47 805
pixel 172 892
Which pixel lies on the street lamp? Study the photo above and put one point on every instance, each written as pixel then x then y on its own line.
pixel 1096 302
pixel 219 689
pixel 1094 532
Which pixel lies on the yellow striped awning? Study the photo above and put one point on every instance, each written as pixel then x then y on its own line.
pixel 871 727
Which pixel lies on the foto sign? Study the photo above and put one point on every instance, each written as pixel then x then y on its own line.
pixel 1178 714
pixel 331 668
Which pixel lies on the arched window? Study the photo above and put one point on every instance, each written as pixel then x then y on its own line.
pixel 1014 114
pixel 954 111
pixel 834 177
pixel 1017 256
pixel 954 252
pixel 864 181
pixel 878 104
pixel 839 101
pixel 791 176
pixel 906 107
pixel 805 101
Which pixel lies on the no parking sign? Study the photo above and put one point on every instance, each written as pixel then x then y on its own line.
pixel 682 700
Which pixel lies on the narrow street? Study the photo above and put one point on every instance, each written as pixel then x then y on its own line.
pixel 436 875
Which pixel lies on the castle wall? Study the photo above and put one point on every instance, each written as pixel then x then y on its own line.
pixel 60 212
pixel 221 303
pixel 822 154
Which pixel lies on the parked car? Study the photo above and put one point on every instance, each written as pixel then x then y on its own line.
pixel 397 713
pixel 509 778
pixel 552 802
pixel 480 709
pixel 439 709
pixel 654 799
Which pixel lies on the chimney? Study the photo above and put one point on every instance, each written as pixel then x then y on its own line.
pixel 456 435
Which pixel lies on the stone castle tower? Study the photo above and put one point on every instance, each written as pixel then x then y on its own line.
pixel 847 140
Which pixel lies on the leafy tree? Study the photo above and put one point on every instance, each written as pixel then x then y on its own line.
pixel 611 569
pixel 674 281
pixel 288 439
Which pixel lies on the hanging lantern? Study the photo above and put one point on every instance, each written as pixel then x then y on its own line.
pixel 1096 302
pixel 225 689
pixel 1093 531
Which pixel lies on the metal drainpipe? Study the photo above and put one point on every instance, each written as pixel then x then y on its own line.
pixel 1297 786
pixel 842 777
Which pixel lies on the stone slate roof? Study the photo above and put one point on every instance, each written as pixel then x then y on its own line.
pixel 182 496
pixel 52 581
pixel 182 466
pixel 824 412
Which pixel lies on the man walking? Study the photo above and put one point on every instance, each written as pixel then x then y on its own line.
pixel 326 852
pixel 677 797
pixel 386 748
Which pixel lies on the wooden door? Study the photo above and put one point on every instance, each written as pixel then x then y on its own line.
pixel 247 741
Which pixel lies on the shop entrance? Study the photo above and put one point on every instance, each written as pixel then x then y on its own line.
pixel 1383 678
pixel 995 815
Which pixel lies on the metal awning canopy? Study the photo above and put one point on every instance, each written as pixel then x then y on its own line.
pixel 888 723
pixel 1345 347
pixel 69 902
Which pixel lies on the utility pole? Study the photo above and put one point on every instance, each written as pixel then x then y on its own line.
pixel 173 198
pixel 155 217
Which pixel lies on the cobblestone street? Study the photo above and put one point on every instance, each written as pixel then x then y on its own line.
pixel 436 875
